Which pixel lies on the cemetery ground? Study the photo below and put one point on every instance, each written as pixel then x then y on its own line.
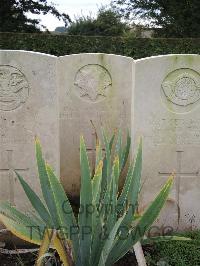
pixel 174 253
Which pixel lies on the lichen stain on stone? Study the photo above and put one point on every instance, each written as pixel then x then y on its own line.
pixel 185 60
pixel 103 63
pixel 101 58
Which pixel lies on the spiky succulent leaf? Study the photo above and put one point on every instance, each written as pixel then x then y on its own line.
pixel 11 212
pixel 35 201
pixel 85 216
pixel 131 188
pixel 45 184
pixel 44 247
pixel 66 218
pixel 64 254
pixel 108 156
pixel 30 232
pixel 126 152
pixel 109 243
pixel 157 239
pixel 146 220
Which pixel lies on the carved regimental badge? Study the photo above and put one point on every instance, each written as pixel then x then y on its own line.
pixel 182 87
pixel 14 88
pixel 92 82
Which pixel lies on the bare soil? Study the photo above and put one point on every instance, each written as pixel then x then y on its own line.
pixel 29 260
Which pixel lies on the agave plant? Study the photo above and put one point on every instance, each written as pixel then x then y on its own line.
pixel 107 225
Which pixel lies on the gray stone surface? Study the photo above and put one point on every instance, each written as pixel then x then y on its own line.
pixel 166 108
pixel 94 89
pixel 59 99
pixel 28 107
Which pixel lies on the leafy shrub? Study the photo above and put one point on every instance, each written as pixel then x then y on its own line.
pixel 177 253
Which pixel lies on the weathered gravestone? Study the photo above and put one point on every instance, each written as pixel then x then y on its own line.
pixel 158 98
pixel 95 91
pixel 28 107
pixel 166 107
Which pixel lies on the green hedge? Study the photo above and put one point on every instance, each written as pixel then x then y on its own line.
pixel 63 45
pixel 176 253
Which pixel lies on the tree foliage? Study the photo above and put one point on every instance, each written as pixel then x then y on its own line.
pixel 176 18
pixel 13 15
pixel 107 23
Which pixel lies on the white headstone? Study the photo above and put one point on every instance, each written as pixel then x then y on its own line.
pixel 28 108
pixel 166 107
pixel 95 90
pixel 158 98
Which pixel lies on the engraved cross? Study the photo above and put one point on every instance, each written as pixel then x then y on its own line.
pixel 179 175
pixel 92 151
pixel 10 169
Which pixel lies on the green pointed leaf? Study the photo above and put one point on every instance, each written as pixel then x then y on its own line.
pixel 125 153
pixel 107 216
pixel 116 172
pixel 44 247
pixel 118 148
pixel 97 242
pixel 147 219
pixel 31 232
pixel 111 142
pixel 8 210
pixel 109 243
pixel 96 183
pixel 131 187
pixel 98 153
pixel 35 201
pixel 85 216
pixel 123 198
pixel 106 172
pixel 111 214
pixel 45 184
pixel 153 240
pixel 108 156
pixel 35 217
pixel 134 188
pixel 65 215
pixel 63 252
